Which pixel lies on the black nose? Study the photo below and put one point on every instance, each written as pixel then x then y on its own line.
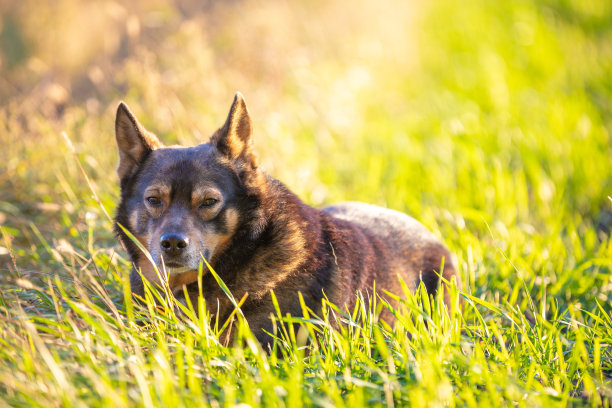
pixel 173 244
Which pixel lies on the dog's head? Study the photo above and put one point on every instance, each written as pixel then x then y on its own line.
pixel 185 203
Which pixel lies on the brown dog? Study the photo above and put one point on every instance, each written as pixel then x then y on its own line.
pixel 212 201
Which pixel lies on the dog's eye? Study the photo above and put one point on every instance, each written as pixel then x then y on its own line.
pixel 154 201
pixel 209 202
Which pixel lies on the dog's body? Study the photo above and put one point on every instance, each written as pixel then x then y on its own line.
pixel 212 200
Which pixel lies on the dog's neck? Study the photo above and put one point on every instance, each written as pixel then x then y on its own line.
pixel 279 247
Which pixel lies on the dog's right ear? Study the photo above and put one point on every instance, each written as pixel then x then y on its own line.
pixel 234 138
pixel 133 140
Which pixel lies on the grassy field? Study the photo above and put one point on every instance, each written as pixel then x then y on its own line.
pixel 491 122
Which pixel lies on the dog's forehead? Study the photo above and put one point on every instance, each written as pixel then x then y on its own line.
pixel 202 155
pixel 188 166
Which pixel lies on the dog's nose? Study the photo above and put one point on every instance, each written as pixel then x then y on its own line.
pixel 173 244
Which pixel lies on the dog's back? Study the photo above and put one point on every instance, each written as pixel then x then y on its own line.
pixel 402 247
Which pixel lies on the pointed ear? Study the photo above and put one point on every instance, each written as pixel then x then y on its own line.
pixel 234 138
pixel 133 141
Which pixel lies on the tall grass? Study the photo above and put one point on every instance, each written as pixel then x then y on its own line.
pixel 488 121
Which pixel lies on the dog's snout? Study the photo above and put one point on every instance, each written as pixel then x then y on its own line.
pixel 173 244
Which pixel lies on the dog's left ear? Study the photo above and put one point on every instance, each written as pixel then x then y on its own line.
pixel 234 138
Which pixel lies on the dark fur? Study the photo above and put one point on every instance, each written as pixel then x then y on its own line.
pixel 259 236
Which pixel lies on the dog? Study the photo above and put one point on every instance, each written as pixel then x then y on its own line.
pixel 213 201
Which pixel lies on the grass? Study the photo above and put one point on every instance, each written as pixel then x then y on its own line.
pixel 489 121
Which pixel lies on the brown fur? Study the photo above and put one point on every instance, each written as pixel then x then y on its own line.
pixel 212 200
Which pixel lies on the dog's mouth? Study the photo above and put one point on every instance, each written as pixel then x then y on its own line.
pixel 177 269
pixel 180 275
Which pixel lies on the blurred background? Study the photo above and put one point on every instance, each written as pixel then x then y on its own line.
pixel 489 121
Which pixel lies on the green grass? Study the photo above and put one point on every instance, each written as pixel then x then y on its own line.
pixel 491 122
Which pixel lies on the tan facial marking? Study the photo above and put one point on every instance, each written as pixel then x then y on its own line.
pixel 158 190
pixel 148 271
pixel 133 220
pixel 231 219
pixel 222 240
pixel 199 194
pixel 144 241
